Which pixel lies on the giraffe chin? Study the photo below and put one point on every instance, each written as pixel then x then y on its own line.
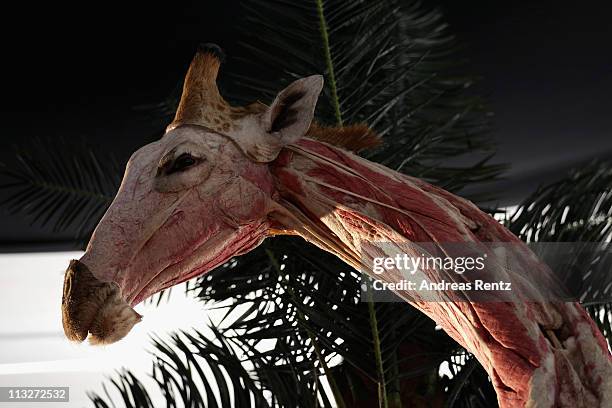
pixel 94 308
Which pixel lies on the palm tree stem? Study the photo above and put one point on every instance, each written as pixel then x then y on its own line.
pixel 328 61
pixel 382 387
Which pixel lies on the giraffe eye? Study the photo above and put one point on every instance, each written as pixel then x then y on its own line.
pixel 181 163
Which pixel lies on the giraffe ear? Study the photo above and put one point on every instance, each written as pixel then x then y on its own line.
pixel 262 136
pixel 289 117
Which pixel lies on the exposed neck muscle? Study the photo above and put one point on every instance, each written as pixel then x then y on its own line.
pixel 345 205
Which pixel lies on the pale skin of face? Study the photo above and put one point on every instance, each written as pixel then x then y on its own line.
pixel 177 213
pixel 187 203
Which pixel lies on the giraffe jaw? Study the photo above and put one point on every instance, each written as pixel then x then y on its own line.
pixel 98 305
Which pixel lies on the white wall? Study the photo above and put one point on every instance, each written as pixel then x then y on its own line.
pixel 33 350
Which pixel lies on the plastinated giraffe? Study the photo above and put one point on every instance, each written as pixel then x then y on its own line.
pixel 224 178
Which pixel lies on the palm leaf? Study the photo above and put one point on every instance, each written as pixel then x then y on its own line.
pixel 179 372
pixel 63 184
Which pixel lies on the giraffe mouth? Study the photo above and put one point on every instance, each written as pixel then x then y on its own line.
pixel 91 307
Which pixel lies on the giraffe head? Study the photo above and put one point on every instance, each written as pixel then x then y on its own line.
pixel 187 203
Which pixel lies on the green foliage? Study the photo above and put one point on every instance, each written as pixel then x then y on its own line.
pixel 573 209
pixel 63 184
pixel 179 369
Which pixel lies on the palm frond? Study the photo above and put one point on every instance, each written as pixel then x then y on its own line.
pixel 63 184
pixel 192 369
pixel 576 208
pixel 267 307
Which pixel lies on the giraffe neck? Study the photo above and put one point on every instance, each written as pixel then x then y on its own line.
pixel 346 205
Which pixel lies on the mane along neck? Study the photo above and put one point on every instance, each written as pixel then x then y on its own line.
pixel 347 205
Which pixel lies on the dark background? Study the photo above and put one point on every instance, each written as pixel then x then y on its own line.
pixel 80 71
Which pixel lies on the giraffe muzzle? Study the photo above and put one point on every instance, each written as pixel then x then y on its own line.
pixel 91 307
